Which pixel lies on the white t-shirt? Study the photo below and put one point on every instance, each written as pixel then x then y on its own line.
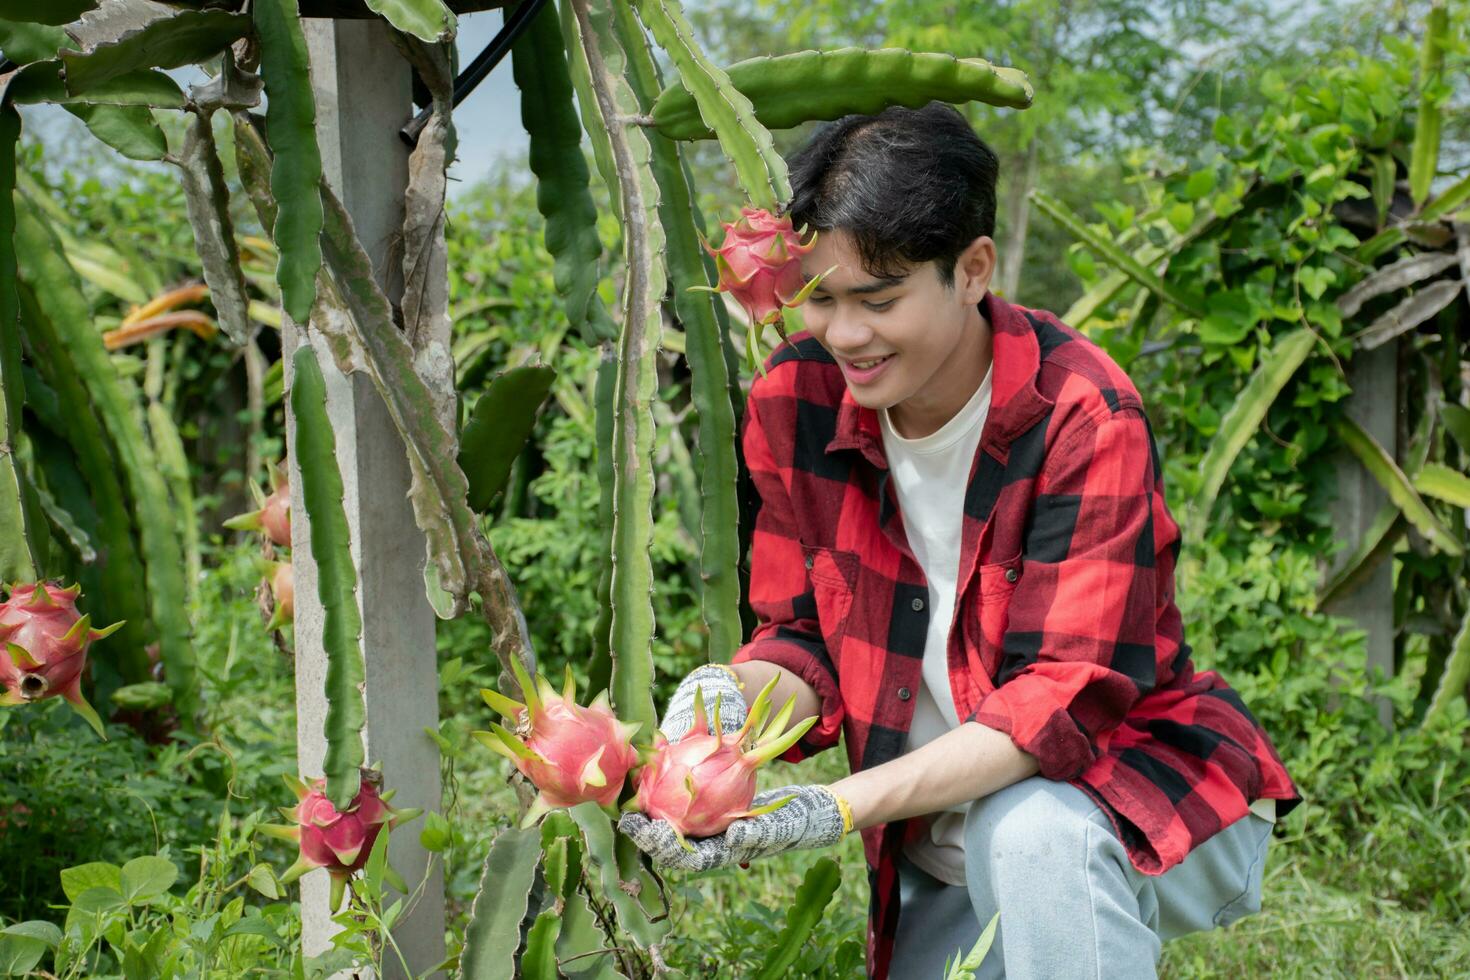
pixel 930 475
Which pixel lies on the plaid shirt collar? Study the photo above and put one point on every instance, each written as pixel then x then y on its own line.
pixel 1015 401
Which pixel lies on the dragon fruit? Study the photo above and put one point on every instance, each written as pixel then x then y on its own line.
pixel 704 782
pixel 339 841
pixel 283 594
pixel 274 514
pixel 47 640
pixel 571 754
pixel 760 265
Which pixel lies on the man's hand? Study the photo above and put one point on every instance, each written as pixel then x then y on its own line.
pixel 715 685
pixel 812 818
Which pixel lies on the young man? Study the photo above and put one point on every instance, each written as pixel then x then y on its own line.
pixel 963 562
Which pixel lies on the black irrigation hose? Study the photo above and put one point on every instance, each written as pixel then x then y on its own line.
pixel 484 63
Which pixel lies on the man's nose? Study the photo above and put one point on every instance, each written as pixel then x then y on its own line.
pixel 846 331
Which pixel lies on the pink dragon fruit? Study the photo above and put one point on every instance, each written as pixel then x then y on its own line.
pixel 570 753
pixel 704 782
pixel 47 640
pixel 760 265
pixel 283 595
pixel 274 515
pixel 339 841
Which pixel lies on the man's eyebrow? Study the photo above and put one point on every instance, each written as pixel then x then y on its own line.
pixel 876 286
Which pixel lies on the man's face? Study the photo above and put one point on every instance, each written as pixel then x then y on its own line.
pixel 896 339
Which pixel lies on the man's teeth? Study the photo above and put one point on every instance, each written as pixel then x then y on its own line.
pixel 864 365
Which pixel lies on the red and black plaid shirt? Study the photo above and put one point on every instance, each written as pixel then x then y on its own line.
pixel 1066 634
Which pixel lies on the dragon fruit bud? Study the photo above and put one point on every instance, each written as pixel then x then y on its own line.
pixel 283 592
pixel 273 517
pixel 338 840
pixel 571 754
pixel 704 782
pixel 46 643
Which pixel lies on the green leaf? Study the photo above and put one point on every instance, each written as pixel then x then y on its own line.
pixel 966 967
pixel 1315 279
pixel 84 877
pixel 174 464
pixel 19 954
pixel 315 453
pixel 1200 184
pixel 146 878
pixel 37 929
pixel 296 173
pixel 52 12
pixel 494 931
pixel 1230 319
pixel 1244 418
pixel 263 879
pixel 1439 481
pixel 428 20
pixel 185 38
pixel 498 428
pixel 1180 217
pixel 816 890
pixel 435 835
pixel 18 563
pixel 130 130
pixel 728 113
pixel 1383 469
pixel 1109 252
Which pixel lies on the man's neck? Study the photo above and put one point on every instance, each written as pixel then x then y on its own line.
pixel 927 411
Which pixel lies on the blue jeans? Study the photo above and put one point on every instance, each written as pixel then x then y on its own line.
pixel 1072 905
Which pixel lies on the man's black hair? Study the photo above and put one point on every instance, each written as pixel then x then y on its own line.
pixel 909 185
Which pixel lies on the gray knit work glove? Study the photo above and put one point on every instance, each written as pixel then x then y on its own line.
pixel 812 819
pixel 718 685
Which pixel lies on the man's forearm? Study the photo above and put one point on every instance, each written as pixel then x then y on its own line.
pixel 965 764
pixel 756 674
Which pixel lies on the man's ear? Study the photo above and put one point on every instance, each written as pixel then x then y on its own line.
pixel 974 269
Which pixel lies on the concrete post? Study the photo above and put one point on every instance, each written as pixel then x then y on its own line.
pixel 1373 403
pixel 363 94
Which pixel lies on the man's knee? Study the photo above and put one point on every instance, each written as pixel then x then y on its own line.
pixel 1035 826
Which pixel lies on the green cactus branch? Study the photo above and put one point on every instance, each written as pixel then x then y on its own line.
pixel 315 453
pixel 722 106
pixel 61 303
pixel 18 562
pixel 698 311
pixel 637 384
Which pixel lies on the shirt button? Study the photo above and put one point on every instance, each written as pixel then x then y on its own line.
pixel 917 605
pixel 904 694
pixel 1012 574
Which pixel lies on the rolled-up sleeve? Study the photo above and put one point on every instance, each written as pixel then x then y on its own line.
pixel 1079 646
pixel 788 633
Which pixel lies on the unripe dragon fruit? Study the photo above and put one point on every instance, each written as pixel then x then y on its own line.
pixel 571 754
pixel 339 841
pixel 704 782
pixel 760 264
pixel 46 640
pixel 273 518
pixel 283 594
